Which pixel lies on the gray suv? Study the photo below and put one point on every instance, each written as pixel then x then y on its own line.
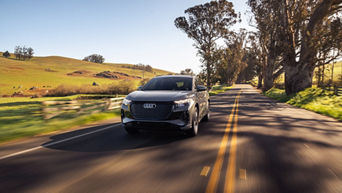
pixel 172 102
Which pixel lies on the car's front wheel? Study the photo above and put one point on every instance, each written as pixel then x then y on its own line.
pixel 194 129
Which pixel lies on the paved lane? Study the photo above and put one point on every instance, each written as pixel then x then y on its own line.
pixel 268 147
pixel 286 149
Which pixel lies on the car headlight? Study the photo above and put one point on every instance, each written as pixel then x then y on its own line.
pixel 126 102
pixel 182 105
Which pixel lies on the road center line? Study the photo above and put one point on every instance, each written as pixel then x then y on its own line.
pixel 205 171
pixel 230 175
pixel 56 142
pixel 215 174
pixel 243 174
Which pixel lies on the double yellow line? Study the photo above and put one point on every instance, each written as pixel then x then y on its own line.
pixel 230 174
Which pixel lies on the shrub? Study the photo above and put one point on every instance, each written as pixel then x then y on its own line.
pixel 6 54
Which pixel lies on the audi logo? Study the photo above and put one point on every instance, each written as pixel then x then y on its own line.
pixel 150 106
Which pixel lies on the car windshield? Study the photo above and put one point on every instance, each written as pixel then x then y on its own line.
pixel 169 83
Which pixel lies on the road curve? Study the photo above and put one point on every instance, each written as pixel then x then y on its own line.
pixel 251 144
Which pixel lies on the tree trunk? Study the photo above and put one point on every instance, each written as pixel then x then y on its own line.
pixel 268 81
pixel 298 79
pixel 208 78
pixel 268 74
pixel 259 81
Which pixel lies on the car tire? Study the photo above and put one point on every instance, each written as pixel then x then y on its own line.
pixel 194 125
pixel 131 130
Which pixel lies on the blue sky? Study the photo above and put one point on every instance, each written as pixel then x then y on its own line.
pixel 123 31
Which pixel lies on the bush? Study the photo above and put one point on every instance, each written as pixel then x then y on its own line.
pixel 6 54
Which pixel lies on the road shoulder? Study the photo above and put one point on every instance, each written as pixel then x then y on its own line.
pixel 23 144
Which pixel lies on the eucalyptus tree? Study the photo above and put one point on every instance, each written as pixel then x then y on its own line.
pixel 307 34
pixel 230 59
pixel 205 24
pixel 267 18
pixel 312 30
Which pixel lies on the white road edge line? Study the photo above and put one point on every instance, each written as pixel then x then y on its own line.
pixel 57 142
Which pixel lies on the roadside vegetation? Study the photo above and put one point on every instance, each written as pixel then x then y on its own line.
pixel 313 99
pixel 23 117
pixel 217 89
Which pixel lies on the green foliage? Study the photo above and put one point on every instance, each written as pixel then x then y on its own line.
pixel 96 58
pixel 23 53
pixel 217 89
pixel 314 99
pixel 205 24
pixel 277 94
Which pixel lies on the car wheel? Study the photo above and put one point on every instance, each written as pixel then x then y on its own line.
pixel 131 130
pixel 194 129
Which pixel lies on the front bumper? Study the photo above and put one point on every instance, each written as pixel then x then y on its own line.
pixel 175 121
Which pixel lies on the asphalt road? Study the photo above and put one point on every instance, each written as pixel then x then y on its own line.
pixel 251 144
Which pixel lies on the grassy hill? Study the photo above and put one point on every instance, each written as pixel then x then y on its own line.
pixel 52 71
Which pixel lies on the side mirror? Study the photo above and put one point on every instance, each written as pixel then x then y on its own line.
pixel 200 88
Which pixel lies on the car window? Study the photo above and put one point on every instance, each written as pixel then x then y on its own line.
pixel 169 83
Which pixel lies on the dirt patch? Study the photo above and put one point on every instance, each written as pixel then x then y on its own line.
pixel 18 94
pixel 115 75
pixel 79 73
pixel 107 74
pixel 37 92
pixel 50 70
pixel 127 75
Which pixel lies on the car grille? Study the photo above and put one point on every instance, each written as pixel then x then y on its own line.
pixel 160 112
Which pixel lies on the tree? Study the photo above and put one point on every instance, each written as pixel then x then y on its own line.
pixel 148 68
pixel 230 59
pixel 250 71
pixel 18 52
pixel 23 53
pixel 308 35
pixel 187 71
pixel 313 37
pixel 267 18
pixel 256 51
pixel 6 54
pixel 205 24
pixel 30 52
pixel 96 58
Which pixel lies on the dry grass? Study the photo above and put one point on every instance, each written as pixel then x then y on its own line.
pixel 120 87
pixel 51 72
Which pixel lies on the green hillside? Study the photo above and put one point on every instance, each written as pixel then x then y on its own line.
pixel 52 71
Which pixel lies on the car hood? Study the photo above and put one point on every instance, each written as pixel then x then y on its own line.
pixel 158 95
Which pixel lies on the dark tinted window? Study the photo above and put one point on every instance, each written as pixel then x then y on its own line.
pixel 169 83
